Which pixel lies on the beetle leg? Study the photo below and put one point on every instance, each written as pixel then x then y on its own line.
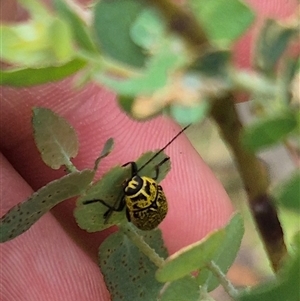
pixel 158 166
pixel 134 168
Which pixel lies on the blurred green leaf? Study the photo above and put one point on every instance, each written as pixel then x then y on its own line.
pixel 36 76
pixel 226 255
pixel 191 258
pixel 22 216
pixel 112 24
pixel 128 273
pixel 189 114
pixel 126 103
pixel 110 189
pixel 223 20
pixel 148 30
pixel 37 9
pixel 273 40
pixel 55 138
pixel 288 194
pixel 79 28
pixel 286 77
pixel 155 76
pixel 269 130
pixel 285 287
pixel 213 63
pixel 31 43
pixel 60 35
pixel 182 289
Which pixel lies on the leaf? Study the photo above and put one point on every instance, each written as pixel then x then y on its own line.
pixel 22 216
pixel 191 258
pixel 223 20
pixel 269 130
pixel 212 63
pixel 112 24
pixel 182 289
pixel 79 28
pixel 110 189
pixel 31 44
pixel 288 194
pixel 55 138
pixel 128 273
pixel 189 114
pixel 226 255
pixel 107 148
pixel 148 30
pixel 36 76
pixel 285 287
pixel 155 75
pixel 273 40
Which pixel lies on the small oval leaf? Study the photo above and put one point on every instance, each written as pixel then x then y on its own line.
pixel 269 131
pixel 55 138
pixel 128 273
pixel 288 194
pixel 226 255
pixel 191 258
pixel 182 289
pixel 22 216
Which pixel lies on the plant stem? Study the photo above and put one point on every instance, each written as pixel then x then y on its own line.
pixel 131 233
pixel 224 281
pixel 255 180
pixel 204 296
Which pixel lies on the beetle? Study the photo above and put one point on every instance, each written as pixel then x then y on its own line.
pixel 144 199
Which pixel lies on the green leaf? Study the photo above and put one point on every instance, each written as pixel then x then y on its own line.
pixel 126 103
pixel 184 114
pixel 108 147
pixel 148 30
pixel 79 28
pixel 128 273
pixel 154 77
pixel 274 39
pixel 60 35
pixel 288 194
pixel 191 258
pixel 38 10
pixel 223 20
pixel 22 216
pixel 112 24
pixel 36 76
pixel 182 289
pixel 285 287
pixel 226 255
pixel 31 43
pixel 213 63
pixel 269 130
pixel 55 138
pixel 285 79
pixel 110 189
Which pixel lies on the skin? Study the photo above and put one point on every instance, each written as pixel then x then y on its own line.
pixel 55 260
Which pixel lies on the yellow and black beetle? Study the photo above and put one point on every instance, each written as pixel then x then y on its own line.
pixel 145 201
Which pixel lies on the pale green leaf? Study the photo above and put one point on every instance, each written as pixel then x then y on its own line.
pixel 22 216
pixel 191 258
pixel 55 138
pixel 128 273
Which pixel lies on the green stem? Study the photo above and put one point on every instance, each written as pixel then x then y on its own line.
pixel 138 240
pixel 224 281
pixel 70 167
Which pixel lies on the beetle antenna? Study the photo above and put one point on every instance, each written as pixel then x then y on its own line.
pixel 161 150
